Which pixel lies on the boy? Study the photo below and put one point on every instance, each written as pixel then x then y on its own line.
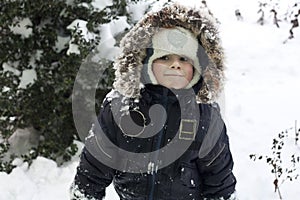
pixel 159 135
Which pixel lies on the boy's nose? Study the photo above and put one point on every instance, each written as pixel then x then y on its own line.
pixel 175 65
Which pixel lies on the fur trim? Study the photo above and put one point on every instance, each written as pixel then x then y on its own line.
pixel 134 44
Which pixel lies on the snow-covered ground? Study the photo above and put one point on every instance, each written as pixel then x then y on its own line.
pixel 262 99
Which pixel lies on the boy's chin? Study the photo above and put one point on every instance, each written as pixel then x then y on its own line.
pixel 177 86
pixel 174 83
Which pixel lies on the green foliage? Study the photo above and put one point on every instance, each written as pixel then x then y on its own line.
pixel 46 103
pixel 4 165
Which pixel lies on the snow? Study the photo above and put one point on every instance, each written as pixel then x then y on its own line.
pixel 81 27
pixel 137 9
pixel 28 76
pixel 43 180
pixel 261 97
pixel 61 43
pixel 107 31
pixel 101 4
pixel 10 67
pixel 22 27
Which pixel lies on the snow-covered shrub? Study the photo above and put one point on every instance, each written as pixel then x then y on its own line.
pixel 283 166
pixel 281 12
pixel 278 13
pixel 43 45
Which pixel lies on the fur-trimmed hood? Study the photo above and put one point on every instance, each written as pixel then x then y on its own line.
pixel 134 44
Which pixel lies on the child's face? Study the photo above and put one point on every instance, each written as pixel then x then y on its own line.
pixel 173 71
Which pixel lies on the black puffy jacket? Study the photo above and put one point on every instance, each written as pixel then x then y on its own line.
pixel 202 171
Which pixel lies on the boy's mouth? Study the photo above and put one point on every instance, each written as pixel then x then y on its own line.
pixel 180 75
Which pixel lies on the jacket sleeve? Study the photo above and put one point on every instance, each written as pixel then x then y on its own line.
pixel 91 179
pixel 92 176
pixel 218 181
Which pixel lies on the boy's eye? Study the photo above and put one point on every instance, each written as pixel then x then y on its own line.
pixel 164 58
pixel 184 59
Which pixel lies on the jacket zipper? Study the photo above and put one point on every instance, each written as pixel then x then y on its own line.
pixel 157 144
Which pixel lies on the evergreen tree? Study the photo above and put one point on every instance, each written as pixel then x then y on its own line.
pixel 34 37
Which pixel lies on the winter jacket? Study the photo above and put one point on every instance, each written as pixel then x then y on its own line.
pixel 176 145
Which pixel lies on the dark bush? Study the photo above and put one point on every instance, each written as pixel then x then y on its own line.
pixel 45 104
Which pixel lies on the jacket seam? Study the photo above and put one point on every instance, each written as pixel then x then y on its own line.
pixel 218 154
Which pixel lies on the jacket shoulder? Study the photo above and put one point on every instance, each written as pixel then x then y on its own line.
pixel 209 108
